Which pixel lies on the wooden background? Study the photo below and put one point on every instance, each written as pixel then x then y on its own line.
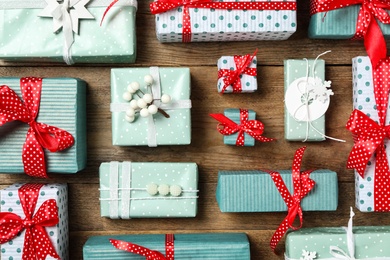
pixel 207 148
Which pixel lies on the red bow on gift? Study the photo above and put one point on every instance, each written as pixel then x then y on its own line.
pixel 366 27
pixel 302 186
pixel 254 128
pixel 38 135
pixel 232 77
pixel 37 245
pixel 148 253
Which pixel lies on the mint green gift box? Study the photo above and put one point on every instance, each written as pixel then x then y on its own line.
pixel 212 246
pixel 124 193
pixel 29 37
pixel 63 104
pixel 155 129
pixel 255 191
pixel 234 115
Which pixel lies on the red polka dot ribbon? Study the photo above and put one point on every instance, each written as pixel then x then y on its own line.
pixel 367 26
pixel 148 253
pixel 162 6
pixel 37 244
pixel 232 77
pixel 254 128
pixel 302 186
pixel 369 138
pixel 39 135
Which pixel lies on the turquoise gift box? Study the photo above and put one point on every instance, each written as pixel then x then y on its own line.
pixel 58 234
pixel 148 190
pixel 234 115
pixel 27 36
pixel 63 104
pixel 154 129
pixel 227 246
pixel 255 191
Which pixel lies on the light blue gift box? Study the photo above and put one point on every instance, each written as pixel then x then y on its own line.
pixel 123 192
pixel 255 191
pixel 234 115
pixel 63 104
pixel 226 246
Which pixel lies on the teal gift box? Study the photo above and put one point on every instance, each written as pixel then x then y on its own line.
pixel 154 129
pixel 227 246
pixel 148 190
pixel 63 104
pixel 302 78
pixel 255 191
pixel 234 115
pixel 27 29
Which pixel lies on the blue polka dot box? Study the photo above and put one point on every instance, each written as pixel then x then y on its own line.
pixel 50 31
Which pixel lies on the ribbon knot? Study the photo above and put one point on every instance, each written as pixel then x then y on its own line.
pixel 27 223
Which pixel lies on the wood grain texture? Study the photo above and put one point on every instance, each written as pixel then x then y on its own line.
pixel 207 148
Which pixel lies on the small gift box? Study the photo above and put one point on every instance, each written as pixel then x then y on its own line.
pixel 237 74
pixel 339 243
pixel 227 246
pixel 151 106
pixel 144 190
pixel 224 20
pixel 73 34
pixel 240 127
pixel 47 113
pixel 34 222
pixel 306 100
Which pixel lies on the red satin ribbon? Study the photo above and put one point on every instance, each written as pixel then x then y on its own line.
pixel 254 128
pixel 302 186
pixel 162 6
pixel 369 138
pixel 148 253
pixel 366 27
pixel 39 135
pixel 232 77
pixel 37 244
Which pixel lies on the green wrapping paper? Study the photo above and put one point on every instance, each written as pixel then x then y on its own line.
pixel 227 246
pixel 25 36
pixel 234 115
pixel 63 104
pixel 124 191
pixel 254 191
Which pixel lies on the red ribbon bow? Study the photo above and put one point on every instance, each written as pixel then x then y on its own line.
pixel 232 77
pixel 148 253
pixel 369 137
pixel 162 6
pixel 38 135
pixel 254 128
pixel 37 244
pixel 366 27
pixel 302 186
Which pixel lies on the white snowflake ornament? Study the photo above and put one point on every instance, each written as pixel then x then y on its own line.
pixel 306 255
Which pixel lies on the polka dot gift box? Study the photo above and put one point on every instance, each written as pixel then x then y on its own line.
pixel 151 106
pixel 34 222
pixel 54 39
pixel 148 190
pixel 55 142
pixel 224 20
pixel 213 246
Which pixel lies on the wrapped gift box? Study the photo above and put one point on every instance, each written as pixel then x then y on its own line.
pixel 213 24
pixel 128 190
pixel 63 104
pixel 155 129
pixel 186 246
pixel 254 191
pixel 234 115
pixel 248 82
pixel 295 115
pixel 113 42
pixel 58 234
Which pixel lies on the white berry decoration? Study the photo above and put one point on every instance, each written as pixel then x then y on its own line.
pixel 133 87
pixel 148 79
pixel 163 189
pixel 133 104
pixel 153 109
pixel 175 190
pixel 141 103
pixel 152 189
pixel 129 119
pixel 127 96
pixel 144 112
pixel 148 98
pixel 165 98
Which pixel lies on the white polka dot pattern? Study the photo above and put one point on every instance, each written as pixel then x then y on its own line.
pixel 148 253
pixel 161 6
pixel 254 128
pixel 39 135
pixel 302 186
pixel 37 244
